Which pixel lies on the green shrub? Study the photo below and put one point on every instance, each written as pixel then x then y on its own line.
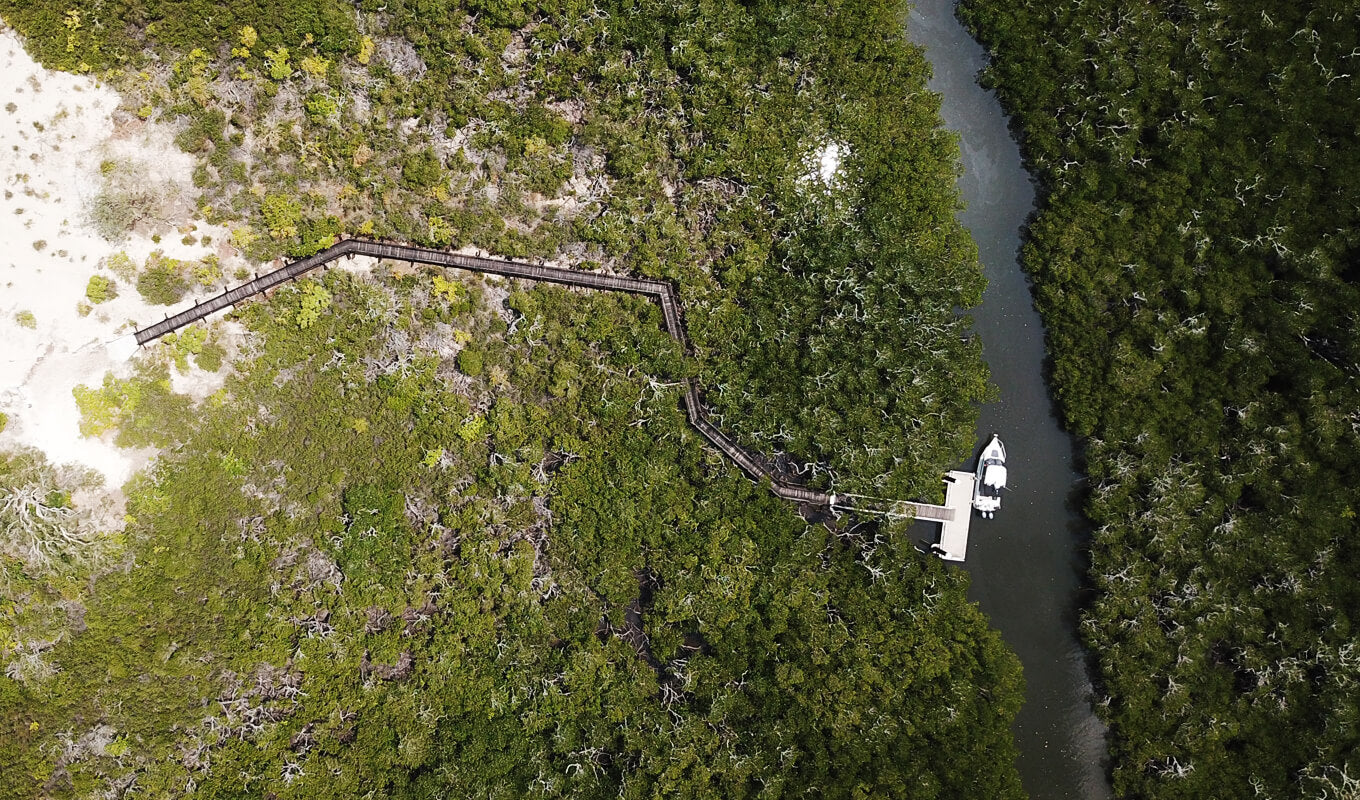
pixel 538 121
pixel 100 289
pixel 440 232
pixel 99 407
pixel 26 319
pixel 122 265
pixel 210 358
pixel 204 128
pixel 421 170
pixel 143 408
pixel 314 299
pixel 208 272
pixel 472 428
pixel 187 342
pixel 277 59
pixel 281 215
pixel 470 361
pixel 322 108
pixel 449 290
pixel 162 282
pixel 316 235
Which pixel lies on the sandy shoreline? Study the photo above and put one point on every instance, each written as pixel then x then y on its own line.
pixel 58 131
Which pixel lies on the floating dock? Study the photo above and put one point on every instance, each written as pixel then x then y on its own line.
pixel 954 516
pixel 958 498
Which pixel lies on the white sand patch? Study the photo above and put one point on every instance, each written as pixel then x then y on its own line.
pixel 198 383
pixel 358 265
pixel 52 143
pixel 822 165
pixel 828 161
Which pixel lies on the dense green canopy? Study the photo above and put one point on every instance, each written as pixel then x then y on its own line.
pixel 442 537
pixel 363 570
pixel 670 139
pixel 1196 261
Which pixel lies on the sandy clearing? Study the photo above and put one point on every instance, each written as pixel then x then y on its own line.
pixel 829 161
pixel 57 130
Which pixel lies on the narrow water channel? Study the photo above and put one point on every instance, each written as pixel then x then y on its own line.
pixel 1025 563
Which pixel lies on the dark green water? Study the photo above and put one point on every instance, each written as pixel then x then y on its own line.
pixel 1025 564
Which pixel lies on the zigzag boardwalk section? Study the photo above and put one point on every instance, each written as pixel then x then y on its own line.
pixel 953 516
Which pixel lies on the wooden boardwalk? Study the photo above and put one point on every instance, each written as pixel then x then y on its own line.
pixel 952 516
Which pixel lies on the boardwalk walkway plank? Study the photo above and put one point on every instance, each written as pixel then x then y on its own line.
pixel 954 516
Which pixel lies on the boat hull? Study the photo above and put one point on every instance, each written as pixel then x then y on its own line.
pixel 990 478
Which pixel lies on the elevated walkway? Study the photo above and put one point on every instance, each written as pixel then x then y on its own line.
pixel 954 515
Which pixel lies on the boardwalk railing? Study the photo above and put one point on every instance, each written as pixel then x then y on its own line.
pixel 663 292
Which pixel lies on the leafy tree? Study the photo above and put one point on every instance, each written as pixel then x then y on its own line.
pixel 421 170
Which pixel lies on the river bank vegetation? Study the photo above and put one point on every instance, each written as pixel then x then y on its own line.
pixel 371 563
pixel 443 536
pixel 1196 260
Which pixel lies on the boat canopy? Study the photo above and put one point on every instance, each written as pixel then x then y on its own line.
pixel 995 475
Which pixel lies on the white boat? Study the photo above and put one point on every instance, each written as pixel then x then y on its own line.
pixel 991 478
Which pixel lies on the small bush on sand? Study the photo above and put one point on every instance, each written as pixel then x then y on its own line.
pixel 162 282
pixel 122 266
pixel 100 289
pixel 125 199
pixel 208 272
pixel 211 357
pixel 116 209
